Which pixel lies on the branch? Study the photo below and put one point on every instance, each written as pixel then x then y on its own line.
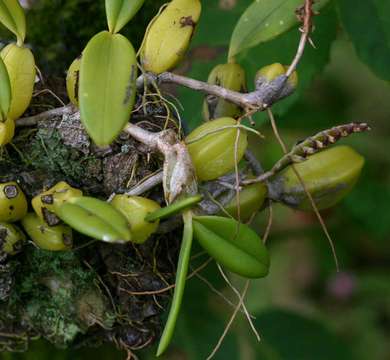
pixel 257 100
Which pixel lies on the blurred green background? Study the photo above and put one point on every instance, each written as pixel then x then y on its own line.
pixel 304 309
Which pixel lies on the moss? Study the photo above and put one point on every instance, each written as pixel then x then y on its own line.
pixel 48 152
pixel 48 288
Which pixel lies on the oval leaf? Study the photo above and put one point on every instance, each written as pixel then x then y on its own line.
pixel 5 91
pixel 120 12
pixel 233 245
pixel 107 86
pixel 264 20
pixel 12 17
pixel 95 218
pixel 174 208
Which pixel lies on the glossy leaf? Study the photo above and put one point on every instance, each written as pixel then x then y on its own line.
pixel 181 277
pixel 107 86
pixel 5 91
pixel 95 218
pixel 368 28
pixel 174 208
pixel 233 245
pixel 120 12
pixel 264 20
pixel 12 17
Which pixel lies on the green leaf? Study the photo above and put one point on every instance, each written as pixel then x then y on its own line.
pixel 173 209
pixel 264 20
pixel 13 18
pixel 181 277
pixel 367 23
pixel 287 335
pixel 120 12
pixel 107 86
pixel 233 245
pixel 5 91
pixel 95 218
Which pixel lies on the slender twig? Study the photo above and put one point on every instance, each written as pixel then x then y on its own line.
pixel 305 14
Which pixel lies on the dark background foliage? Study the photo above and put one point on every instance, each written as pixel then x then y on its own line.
pixel 304 309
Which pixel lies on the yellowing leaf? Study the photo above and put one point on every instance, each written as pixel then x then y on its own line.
pixel 12 17
pixel 107 86
pixel 5 91
pixel 264 20
pixel 120 12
